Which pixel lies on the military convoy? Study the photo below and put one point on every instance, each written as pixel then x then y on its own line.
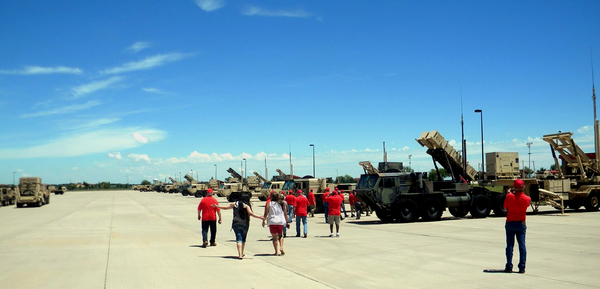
pixel 32 192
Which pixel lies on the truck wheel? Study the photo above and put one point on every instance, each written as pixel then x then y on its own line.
pixel 481 206
pixel 405 211
pixel 592 203
pixel 458 212
pixel 498 203
pixel 19 205
pixel 184 193
pixel 384 216
pixel 432 209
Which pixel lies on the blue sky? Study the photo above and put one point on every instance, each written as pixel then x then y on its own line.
pixel 123 91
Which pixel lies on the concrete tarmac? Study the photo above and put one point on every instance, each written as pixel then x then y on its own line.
pixel 130 239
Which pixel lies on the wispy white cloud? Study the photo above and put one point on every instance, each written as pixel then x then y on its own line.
pixel 91 124
pixel 72 144
pixel 147 63
pixel 210 5
pixel 139 157
pixel 63 110
pixel 257 11
pixel 139 46
pixel 80 91
pixel 115 155
pixel 139 137
pixel 153 90
pixel 33 70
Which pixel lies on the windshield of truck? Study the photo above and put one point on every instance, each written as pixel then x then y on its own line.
pixel 266 186
pixel 289 185
pixel 367 182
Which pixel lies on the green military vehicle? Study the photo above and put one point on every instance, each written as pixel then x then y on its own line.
pixel 7 196
pixel 32 192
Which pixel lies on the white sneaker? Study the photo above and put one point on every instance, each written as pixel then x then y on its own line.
pixel 331 235
pixel 337 234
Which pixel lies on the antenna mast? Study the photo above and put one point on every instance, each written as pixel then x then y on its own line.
pixel 596 124
pixel 462 125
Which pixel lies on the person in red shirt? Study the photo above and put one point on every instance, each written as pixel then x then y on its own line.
pixel 301 213
pixel 335 203
pixel 352 199
pixel 516 204
pixel 207 214
pixel 290 199
pixel 312 202
pixel 326 204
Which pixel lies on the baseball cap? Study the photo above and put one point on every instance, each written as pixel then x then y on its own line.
pixel 518 183
pixel 210 191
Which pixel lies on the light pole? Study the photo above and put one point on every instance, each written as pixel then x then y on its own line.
pixel 409 162
pixel 482 154
pixel 313 147
pixel 215 172
pixel 245 168
pixel 14 183
pixel 529 147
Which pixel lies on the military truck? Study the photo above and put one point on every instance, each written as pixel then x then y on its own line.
pixel 32 192
pixel 268 186
pixel 7 196
pixel 233 188
pixel 57 190
pixel 407 196
pixel 318 185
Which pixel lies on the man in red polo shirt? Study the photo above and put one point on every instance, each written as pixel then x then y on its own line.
pixel 207 214
pixel 516 204
pixel 312 202
pixel 301 212
pixel 335 204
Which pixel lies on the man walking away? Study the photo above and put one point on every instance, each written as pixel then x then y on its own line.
pixel 207 214
pixel 516 204
pixel 334 213
pixel 312 202
pixel 301 213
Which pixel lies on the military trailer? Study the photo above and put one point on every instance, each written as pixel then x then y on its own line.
pixel 32 192
pixel 7 196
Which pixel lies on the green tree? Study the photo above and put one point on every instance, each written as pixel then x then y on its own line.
pixel 146 182
pixel 433 175
pixel 553 167
pixel 345 179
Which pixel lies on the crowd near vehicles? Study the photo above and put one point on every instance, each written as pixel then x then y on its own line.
pixel 32 192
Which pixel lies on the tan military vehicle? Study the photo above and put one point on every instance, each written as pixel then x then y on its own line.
pixel 7 196
pixel 32 192
pixel 57 190
pixel 267 187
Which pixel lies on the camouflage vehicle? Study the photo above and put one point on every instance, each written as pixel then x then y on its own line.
pixel 233 188
pixel 318 185
pixel 7 196
pixel 32 192
pixel 57 190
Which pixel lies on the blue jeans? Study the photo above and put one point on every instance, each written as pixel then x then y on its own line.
pixel 303 219
pixel 515 229
pixel 240 232
pixel 326 208
pixel 290 211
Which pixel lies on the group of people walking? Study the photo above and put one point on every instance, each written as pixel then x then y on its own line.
pixel 280 210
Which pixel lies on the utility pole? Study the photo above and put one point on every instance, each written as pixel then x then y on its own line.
pixel 529 147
